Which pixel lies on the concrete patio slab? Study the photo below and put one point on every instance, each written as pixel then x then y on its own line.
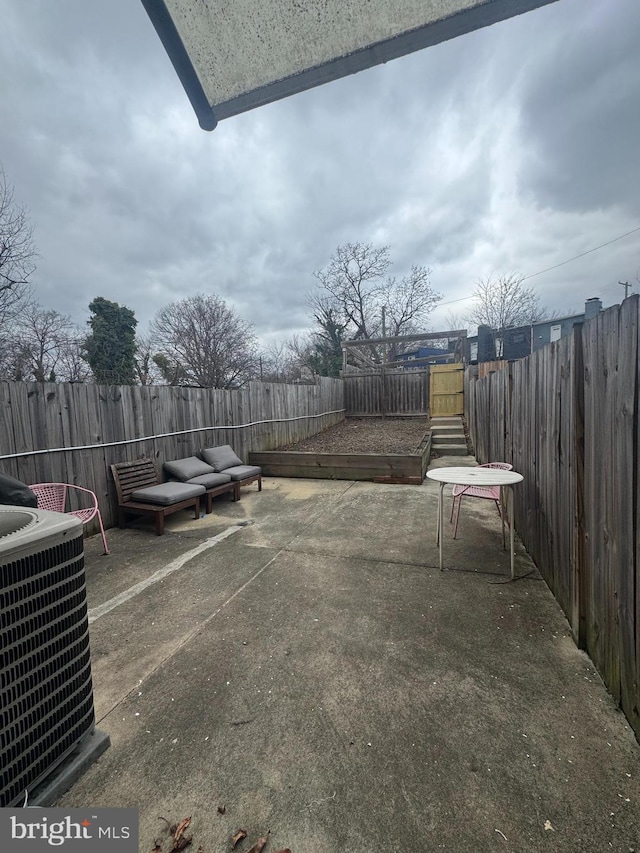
pixel 316 674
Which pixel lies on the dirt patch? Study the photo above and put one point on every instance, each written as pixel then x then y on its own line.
pixel 367 435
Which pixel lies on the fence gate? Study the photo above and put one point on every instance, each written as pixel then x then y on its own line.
pixel 446 390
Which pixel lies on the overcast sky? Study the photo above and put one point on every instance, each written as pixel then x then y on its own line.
pixel 510 149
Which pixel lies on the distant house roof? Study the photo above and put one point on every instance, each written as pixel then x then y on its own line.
pixel 424 352
pixel 232 56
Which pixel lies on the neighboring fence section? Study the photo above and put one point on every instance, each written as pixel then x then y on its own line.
pixel 568 419
pixel 487 367
pixel 386 392
pixel 37 416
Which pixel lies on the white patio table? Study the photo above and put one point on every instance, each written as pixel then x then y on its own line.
pixel 467 476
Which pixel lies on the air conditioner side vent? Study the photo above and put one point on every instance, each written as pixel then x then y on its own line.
pixel 46 692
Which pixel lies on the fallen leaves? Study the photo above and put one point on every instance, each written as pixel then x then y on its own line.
pixel 239 836
pixel 184 824
pixel 180 840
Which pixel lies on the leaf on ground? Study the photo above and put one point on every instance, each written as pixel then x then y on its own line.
pixel 179 832
pixel 283 850
pixel 547 826
pixel 238 837
pixel 259 846
pixel 182 842
pixel 222 809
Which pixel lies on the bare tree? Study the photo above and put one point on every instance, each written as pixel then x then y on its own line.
pixel 71 366
pixel 503 302
pixel 146 368
pixel 304 364
pixel 324 347
pixel 408 302
pixel 359 301
pixel 354 279
pixel 17 253
pixel 42 346
pixel 201 341
pixel 13 362
pixel 45 336
pixel 276 363
pixel 455 320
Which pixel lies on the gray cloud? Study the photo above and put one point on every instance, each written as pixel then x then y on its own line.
pixel 581 111
pixel 510 148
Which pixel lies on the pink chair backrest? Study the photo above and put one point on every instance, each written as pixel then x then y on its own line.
pixel 51 496
pixel 503 465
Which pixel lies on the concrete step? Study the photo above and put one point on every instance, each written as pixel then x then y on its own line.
pixel 439 447
pixel 453 427
pixel 452 419
pixel 448 438
pixel 450 449
pixel 447 431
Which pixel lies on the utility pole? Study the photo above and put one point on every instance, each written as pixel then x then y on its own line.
pixel 385 354
pixel 626 286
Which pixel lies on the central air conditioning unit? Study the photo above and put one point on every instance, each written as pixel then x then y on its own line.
pixel 46 693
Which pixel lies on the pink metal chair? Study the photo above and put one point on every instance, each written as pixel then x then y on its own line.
pixel 53 496
pixel 489 493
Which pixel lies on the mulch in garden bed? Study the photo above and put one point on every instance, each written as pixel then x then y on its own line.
pixel 367 435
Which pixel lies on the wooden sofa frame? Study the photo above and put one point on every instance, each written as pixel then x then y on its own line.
pixel 130 476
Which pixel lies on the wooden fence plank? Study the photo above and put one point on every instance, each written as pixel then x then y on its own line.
pixel 624 565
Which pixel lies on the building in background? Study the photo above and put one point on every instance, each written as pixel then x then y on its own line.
pixel 428 355
pixel 547 331
pixel 521 341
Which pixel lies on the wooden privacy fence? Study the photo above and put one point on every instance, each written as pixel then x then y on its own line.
pixel 108 424
pixel 568 419
pixel 386 392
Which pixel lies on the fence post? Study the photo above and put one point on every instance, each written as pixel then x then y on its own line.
pixel 578 569
pixel 384 402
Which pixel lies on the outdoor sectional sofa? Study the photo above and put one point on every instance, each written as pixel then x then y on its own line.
pixel 190 480
pixel 192 471
pixel 214 469
pixel 223 460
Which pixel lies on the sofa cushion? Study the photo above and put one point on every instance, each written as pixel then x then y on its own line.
pixel 210 481
pixel 187 468
pixel 243 472
pixel 166 494
pixel 220 458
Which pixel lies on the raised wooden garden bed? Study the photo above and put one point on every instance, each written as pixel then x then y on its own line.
pixel 407 468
